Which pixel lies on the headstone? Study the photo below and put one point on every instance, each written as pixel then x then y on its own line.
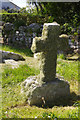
pixel 46 88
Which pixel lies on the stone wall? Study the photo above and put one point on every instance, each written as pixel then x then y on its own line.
pixel 23 36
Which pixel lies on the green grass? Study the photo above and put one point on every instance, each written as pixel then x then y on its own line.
pixel 13 76
pixel 23 51
pixel 69 70
pixel 60 56
pixel 14 103
pixel 59 114
pixel 11 79
pixel 35 112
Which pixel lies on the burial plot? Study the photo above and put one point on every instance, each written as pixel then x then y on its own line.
pixel 46 89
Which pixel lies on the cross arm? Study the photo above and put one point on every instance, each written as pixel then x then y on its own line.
pixel 63 42
pixel 37 45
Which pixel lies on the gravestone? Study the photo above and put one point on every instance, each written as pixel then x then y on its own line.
pixel 46 89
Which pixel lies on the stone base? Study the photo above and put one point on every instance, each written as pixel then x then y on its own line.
pixel 52 93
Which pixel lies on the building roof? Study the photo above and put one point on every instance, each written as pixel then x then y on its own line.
pixel 14 4
pixel 7 3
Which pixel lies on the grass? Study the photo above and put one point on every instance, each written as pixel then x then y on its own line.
pixel 11 79
pixel 35 112
pixel 69 71
pixel 23 51
pixel 14 104
pixel 61 56
pixel 13 76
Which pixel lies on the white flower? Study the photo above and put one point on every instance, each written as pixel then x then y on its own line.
pixel 35 117
pixel 48 116
pixel 6 112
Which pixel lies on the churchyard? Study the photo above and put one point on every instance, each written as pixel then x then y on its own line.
pixel 39 67
pixel 14 104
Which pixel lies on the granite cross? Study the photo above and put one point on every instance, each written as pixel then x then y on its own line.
pixel 47 44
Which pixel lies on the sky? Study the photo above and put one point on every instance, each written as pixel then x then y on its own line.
pixel 20 3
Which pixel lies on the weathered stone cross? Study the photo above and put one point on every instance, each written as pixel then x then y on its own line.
pixel 47 45
pixel 46 89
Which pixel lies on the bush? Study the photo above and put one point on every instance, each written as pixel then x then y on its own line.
pixel 19 23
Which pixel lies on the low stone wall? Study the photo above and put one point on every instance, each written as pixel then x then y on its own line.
pixel 23 36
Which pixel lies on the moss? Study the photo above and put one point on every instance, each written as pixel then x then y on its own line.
pixel 47 44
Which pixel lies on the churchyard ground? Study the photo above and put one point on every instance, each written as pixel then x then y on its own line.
pixel 14 104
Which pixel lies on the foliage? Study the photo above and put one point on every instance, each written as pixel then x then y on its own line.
pixel 25 19
pixel 63 12
pixel 68 28
pixel 3 11
pixel 20 21
pixel 66 14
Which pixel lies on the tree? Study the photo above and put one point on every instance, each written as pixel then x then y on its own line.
pixel 38 5
pixel 62 11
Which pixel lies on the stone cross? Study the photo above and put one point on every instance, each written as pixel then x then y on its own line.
pixel 47 45
pixel 46 89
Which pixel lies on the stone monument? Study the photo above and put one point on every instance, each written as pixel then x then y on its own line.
pixel 46 89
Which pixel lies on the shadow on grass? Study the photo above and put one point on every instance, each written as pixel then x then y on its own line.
pixel 74 99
